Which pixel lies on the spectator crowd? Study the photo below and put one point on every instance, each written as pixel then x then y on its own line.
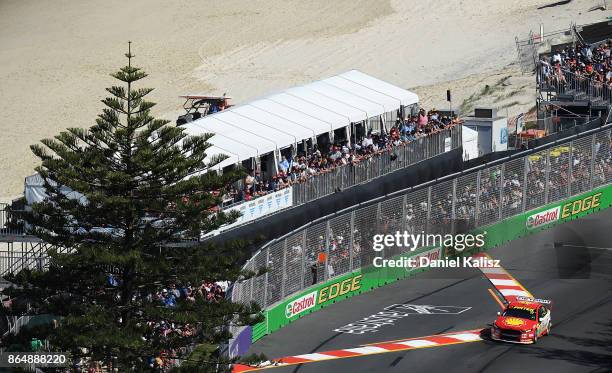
pixel 591 62
pixel 168 297
pixel 301 168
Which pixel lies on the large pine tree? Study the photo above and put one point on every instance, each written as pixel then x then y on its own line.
pixel 139 190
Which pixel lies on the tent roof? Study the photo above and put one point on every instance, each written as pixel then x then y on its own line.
pixel 304 103
pixel 362 91
pixel 406 97
pixel 274 120
pixel 280 120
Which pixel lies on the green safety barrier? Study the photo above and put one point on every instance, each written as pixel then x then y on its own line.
pixel 369 278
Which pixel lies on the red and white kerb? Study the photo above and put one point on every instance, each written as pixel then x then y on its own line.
pixel 376 348
pixel 503 282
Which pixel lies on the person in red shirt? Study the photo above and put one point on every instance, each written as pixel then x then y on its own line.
pixel 395 133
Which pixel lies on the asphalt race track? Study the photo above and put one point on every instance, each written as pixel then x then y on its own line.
pixel 570 264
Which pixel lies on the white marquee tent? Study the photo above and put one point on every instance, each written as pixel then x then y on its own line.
pixel 284 119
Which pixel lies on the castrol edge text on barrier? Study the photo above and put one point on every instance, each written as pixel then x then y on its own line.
pixel 543 218
pixel 301 304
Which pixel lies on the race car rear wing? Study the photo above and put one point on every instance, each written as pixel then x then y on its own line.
pixel 536 300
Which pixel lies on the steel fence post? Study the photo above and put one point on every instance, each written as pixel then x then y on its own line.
pixel 351 240
pixel 592 165
pixel 570 169
pixel 327 243
pixel 378 215
pixel 302 286
pixel 501 190
pixel 284 270
pixel 265 295
pixel 454 206
pixel 524 186
pixel 404 217
pixel 477 207
pixel 252 280
pixel 546 176
pixel 427 224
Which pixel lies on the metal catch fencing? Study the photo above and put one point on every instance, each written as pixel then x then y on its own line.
pixel 377 165
pixel 457 204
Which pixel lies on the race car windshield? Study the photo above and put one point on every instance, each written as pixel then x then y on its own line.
pixel 521 313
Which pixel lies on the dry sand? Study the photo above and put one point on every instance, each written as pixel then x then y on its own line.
pixel 55 56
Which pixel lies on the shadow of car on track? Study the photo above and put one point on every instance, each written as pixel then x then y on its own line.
pixel 598 353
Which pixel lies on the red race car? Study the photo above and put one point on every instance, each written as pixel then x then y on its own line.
pixel 523 321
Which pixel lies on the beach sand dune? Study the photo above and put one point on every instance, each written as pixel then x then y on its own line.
pixel 55 57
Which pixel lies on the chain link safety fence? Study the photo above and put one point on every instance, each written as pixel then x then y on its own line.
pixel 343 243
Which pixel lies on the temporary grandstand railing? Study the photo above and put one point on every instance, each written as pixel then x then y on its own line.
pixel 567 82
pixel 376 166
pixel 9 225
pixel 456 203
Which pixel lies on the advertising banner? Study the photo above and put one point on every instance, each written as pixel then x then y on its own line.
pixel 257 208
pixel 262 206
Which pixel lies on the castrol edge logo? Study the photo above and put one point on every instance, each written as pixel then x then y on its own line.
pixel 543 217
pixel 301 304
